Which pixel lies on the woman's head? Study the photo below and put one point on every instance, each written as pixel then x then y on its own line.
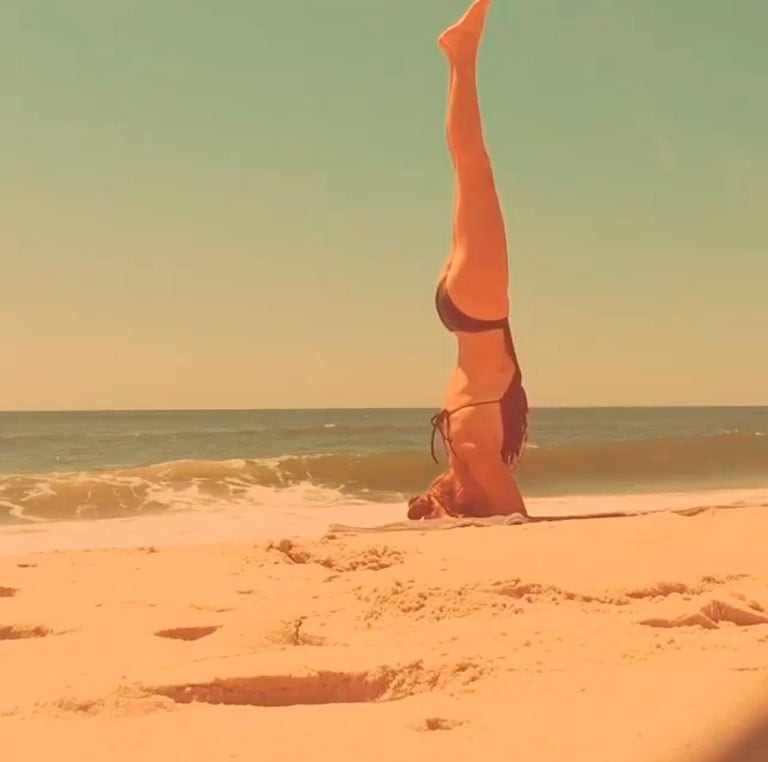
pixel 447 496
pixel 421 507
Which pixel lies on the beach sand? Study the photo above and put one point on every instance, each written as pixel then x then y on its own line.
pixel 612 639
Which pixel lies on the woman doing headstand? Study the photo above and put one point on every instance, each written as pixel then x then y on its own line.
pixel 484 418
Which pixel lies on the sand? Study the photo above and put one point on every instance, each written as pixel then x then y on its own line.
pixel 610 639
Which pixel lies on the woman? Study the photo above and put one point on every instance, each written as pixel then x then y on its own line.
pixel 484 420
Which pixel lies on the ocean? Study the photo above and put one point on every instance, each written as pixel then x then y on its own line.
pixel 57 466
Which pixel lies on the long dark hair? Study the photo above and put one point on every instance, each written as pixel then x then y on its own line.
pixel 514 414
pixel 440 500
pixel 514 410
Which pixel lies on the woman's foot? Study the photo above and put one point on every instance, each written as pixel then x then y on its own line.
pixel 463 37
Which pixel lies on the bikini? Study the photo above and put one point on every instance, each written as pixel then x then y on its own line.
pixel 513 402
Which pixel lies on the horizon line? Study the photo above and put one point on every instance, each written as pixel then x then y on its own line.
pixel 359 408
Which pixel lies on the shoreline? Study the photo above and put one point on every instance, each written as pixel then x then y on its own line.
pixel 260 523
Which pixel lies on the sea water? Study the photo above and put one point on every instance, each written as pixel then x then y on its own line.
pixel 58 466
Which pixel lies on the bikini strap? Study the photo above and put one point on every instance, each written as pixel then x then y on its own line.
pixel 444 416
pixel 436 422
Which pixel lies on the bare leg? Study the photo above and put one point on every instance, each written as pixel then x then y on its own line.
pixel 477 273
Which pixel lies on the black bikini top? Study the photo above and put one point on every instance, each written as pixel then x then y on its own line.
pixel 456 320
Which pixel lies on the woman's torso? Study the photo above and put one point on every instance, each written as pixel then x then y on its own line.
pixel 484 369
pixel 483 391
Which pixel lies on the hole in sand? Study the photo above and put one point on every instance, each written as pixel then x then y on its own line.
pixel 7 592
pixel 322 687
pixel 187 633
pixel 20 632
pixel 440 723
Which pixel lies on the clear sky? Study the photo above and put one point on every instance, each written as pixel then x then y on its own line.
pixel 246 204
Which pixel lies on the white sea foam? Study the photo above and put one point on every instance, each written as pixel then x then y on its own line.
pixel 293 517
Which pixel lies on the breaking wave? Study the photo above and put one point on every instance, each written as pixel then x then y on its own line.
pixel 344 477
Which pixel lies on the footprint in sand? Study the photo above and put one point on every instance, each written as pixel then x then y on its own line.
pixel 712 614
pixel 187 633
pixel 533 592
pixel 415 601
pixel 323 687
pixel 22 632
pixel 663 590
pixel 440 723
pixel 667 589
pixel 342 559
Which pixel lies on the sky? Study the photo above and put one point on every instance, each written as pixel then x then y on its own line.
pixel 240 204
